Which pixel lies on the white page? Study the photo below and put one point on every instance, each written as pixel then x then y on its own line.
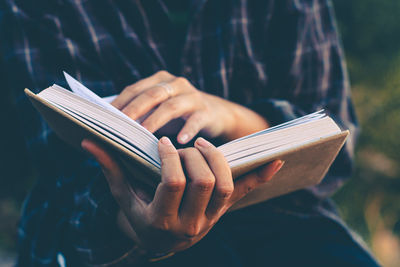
pixel 117 129
pixel 266 153
pixel 68 94
pixel 291 140
pixel 304 119
pixel 109 132
pixel 110 98
pixel 90 110
pixel 281 135
pixel 84 92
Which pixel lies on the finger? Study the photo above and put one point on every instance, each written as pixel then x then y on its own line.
pixel 200 185
pixel 169 192
pixel 173 108
pixel 112 172
pixel 147 100
pixel 135 89
pixel 223 177
pixel 247 183
pixel 192 127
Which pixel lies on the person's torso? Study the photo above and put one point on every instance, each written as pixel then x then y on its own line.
pixel 109 45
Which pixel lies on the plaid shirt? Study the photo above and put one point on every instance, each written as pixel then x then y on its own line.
pixel 281 58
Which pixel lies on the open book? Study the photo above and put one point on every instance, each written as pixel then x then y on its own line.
pixel 308 145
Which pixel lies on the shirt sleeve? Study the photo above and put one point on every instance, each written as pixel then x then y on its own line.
pixel 70 209
pixel 305 70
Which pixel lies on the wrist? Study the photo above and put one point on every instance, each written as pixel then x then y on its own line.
pixel 243 121
pixel 227 117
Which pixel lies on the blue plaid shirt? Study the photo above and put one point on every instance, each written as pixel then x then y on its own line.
pixel 281 58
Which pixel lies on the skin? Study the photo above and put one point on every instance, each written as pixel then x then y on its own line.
pixel 196 187
pixel 212 115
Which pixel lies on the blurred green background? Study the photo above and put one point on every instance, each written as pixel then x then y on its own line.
pixel 370 201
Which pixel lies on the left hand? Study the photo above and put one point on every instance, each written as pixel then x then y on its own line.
pixel 175 97
pixel 196 189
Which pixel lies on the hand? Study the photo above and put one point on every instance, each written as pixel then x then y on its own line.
pixel 175 97
pixel 184 208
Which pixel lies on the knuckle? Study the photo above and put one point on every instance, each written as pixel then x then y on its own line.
pixel 172 106
pixel 192 230
pixel 161 224
pixel 205 184
pixel 163 74
pixel 182 81
pixel 224 192
pixel 175 186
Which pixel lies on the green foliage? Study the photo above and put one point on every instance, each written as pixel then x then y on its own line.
pixel 370 201
pixel 371 38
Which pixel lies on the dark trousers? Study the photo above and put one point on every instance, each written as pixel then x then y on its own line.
pixel 295 230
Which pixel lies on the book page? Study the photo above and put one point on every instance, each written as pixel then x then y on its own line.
pixel 86 93
pixel 301 120
pixel 109 132
pixel 110 98
pixel 121 127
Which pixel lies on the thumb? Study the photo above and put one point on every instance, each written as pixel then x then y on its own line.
pixel 255 178
pixel 112 171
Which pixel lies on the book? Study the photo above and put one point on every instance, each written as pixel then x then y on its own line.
pixel 308 145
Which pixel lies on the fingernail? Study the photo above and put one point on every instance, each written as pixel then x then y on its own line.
pixel 279 166
pixel 202 142
pixel 165 140
pixel 183 138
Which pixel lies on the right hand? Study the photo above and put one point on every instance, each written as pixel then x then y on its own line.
pixel 184 207
pixel 164 98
